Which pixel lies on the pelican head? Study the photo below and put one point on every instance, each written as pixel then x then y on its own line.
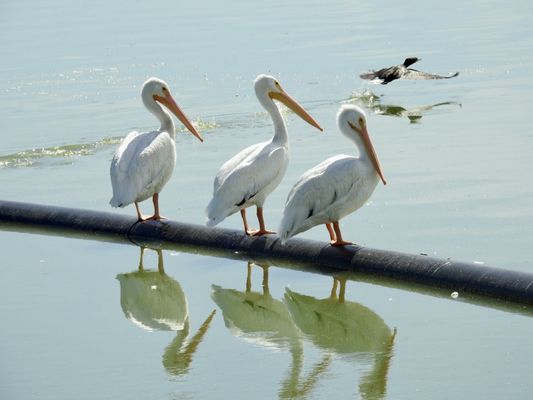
pixel 352 121
pixel 268 88
pixel 155 90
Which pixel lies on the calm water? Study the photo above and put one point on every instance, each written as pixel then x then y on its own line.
pixel 79 321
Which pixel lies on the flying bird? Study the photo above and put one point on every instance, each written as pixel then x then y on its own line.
pixel 336 187
pixel 144 162
pixel 386 75
pixel 252 174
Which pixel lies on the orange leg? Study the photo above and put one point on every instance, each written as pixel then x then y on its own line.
pixel 332 236
pixel 262 230
pixel 156 216
pixel 155 200
pixel 244 221
pixel 140 217
pixel 338 241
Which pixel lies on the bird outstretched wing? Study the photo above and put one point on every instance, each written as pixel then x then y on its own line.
pixel 414 74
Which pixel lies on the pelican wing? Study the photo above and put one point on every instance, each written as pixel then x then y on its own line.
pixel 248 174
pixel 320 189
pixel 229 166
pixel 137 165
pixel 414 74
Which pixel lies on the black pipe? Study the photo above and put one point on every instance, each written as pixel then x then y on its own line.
pixel 363 263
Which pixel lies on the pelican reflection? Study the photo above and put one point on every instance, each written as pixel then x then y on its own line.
pixel 256 316
pixel 153 300
pixel 373 102
pixel 346 328
pixel 259 318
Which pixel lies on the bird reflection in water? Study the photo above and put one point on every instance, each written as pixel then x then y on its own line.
pixel 256 316
pixel 373 102
pixel 155 301
pixel 259 318
pixel 348 329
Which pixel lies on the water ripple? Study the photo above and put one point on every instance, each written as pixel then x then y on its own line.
pixel 37 156
pixel 33 157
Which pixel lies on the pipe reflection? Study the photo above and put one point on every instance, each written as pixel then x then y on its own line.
pixel 346 328
pixel 373 102
pixel 153 300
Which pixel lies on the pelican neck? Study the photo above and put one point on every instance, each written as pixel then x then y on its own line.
pixel 280 129
pixel 162 115
pixel 356 139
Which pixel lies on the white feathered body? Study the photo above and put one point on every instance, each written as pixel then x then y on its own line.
pixel 247 179
pixel 141 166
pixel 327 192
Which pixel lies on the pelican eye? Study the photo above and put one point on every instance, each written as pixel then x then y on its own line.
pixel 164 89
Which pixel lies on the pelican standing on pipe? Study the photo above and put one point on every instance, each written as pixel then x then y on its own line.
pixel 251 175
pixel 336 187
pixel 144 162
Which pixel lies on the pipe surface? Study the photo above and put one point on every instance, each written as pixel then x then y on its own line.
pixel 370 264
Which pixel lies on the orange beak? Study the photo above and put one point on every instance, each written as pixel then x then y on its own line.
pixel 283 97
pixel 168 102
pixel 369 148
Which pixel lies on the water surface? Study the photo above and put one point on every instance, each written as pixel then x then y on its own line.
pixel 456 153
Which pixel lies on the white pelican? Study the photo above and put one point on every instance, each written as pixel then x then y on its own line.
pixel 143 163
pixel 336 187
pixel 249 177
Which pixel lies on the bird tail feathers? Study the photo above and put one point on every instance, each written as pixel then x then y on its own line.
pixel 217 212
pixel 116 203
